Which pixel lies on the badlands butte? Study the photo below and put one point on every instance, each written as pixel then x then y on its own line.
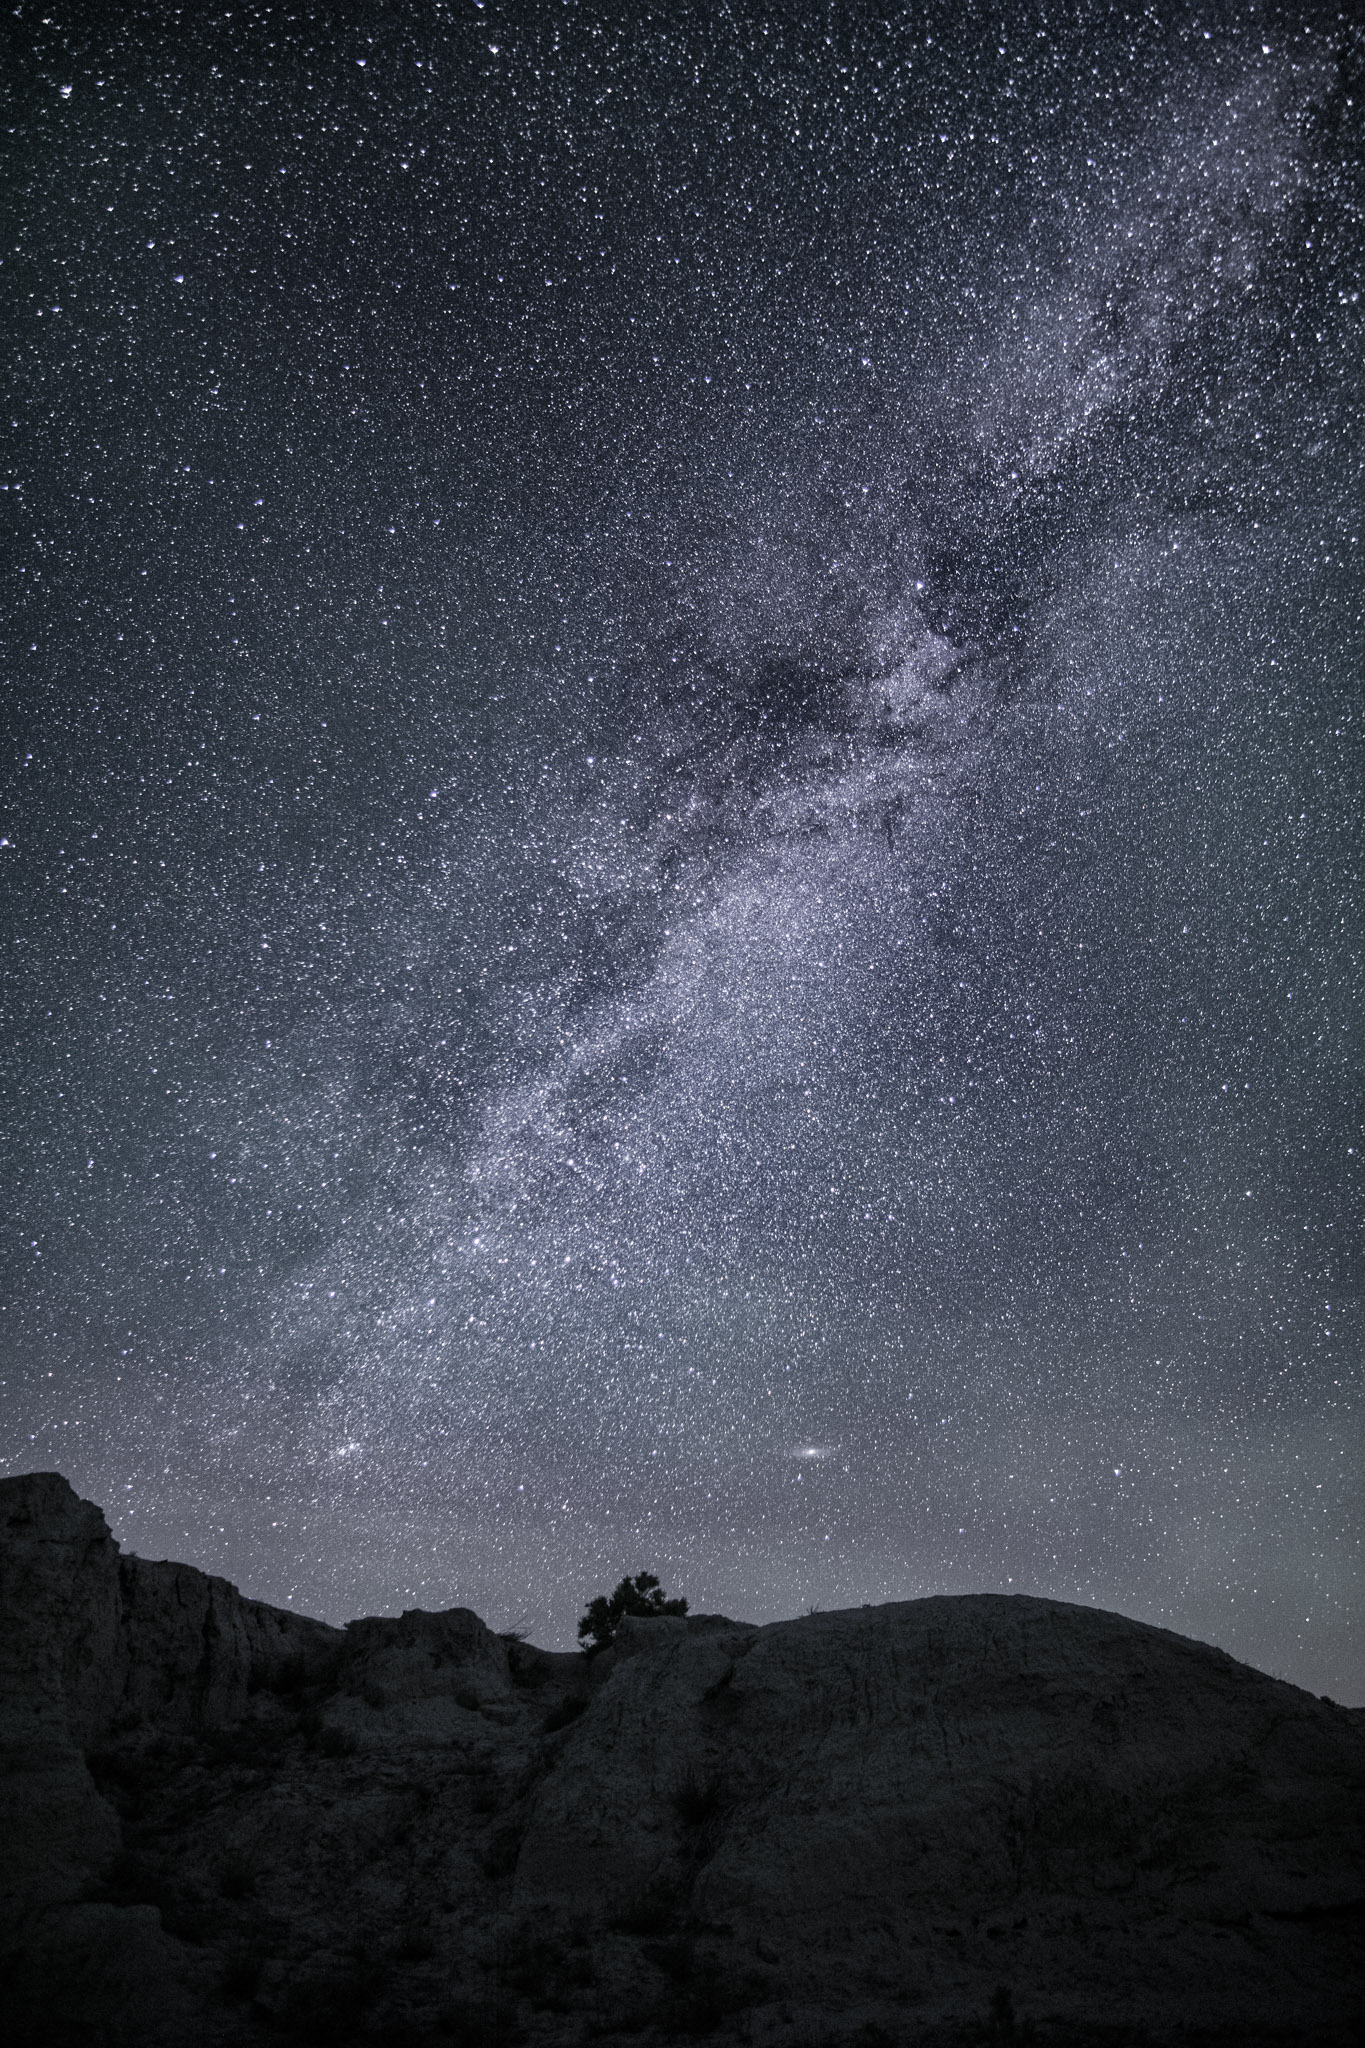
pixel 975 1819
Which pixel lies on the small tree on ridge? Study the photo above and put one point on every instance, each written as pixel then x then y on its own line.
pixel 642 1596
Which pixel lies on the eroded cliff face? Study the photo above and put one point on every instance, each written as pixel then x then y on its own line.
pixel 945 1820
pixel 94 1648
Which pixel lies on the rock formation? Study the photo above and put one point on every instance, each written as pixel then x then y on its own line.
pixel 942 1821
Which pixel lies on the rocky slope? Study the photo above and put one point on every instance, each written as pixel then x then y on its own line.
pixel 952 1820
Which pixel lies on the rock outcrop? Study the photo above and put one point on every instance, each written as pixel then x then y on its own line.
pixel 953 1820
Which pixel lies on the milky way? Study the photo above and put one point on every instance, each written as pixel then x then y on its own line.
pixel 683 804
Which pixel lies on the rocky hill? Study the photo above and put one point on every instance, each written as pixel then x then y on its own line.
pixel 945 1821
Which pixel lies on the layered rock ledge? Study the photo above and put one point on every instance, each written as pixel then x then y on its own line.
pixel 982 1818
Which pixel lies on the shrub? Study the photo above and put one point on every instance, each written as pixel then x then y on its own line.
pixel 642 1596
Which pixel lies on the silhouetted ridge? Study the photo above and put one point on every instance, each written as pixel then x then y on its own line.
pixel 947 1820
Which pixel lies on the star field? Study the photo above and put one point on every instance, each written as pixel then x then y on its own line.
pixel 682 804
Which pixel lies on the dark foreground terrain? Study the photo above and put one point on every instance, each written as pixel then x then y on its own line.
pixel 956 1820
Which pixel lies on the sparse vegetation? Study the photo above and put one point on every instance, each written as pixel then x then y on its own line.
pixel 642 1597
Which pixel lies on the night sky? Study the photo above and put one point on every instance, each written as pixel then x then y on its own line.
pixel 682 867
